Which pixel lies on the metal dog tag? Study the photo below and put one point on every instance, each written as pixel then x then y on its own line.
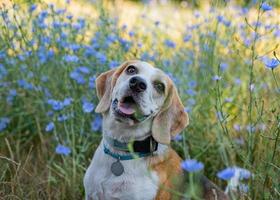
pixel 117 168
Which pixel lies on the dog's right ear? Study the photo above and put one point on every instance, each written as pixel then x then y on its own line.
pixel 104 90
pixel 105 83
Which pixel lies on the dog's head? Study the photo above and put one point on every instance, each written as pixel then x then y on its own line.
pixel 135 92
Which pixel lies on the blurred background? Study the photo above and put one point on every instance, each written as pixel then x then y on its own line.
pixel 223 57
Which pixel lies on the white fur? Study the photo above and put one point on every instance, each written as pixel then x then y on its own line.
pixel 137 181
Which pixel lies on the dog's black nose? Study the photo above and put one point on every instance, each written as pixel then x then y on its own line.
pixel 137 84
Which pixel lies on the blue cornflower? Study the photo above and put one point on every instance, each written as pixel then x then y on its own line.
pixel 32 8
pixel 50 113
pixel 13 92
pixel 192 165
pixel 101 57
pixel 243 188
pixel 83 69
pixel 88 107
pixel 239 141
pixel 113 64
pixel 96 123
pixel 63 150
pixel 2 54
pixel 89 51
pixel 3 71
pixel 60 11
pixel 79 25
pixel 59 105
pixel 270 63
pixel 74 47
pixel 57 24
pixel 4 121
pixel 43 15
pixel 91 83
pixel 216 78
pixel 177 138
pixel 131 33
pixel 47 92
pixel 187 38
pixel 191 102
pixel 266 7
pixel 70 58
pixel 56 105
pixel 4 84
pixel 64 117
pixel 166 63
pixel 42 55
pixel 79 78
pixel 111 38
pixel 220 18
pixel 49 127
pixel 224 66
pixel 226 174
pixel 45 40
pixel 67 101
pixel 237 127
pixel 237 81
pixel 192 84
pixel 124 27
pixel 188 109
pixel 228 99
pixel 125 44
pixel 24 84
pixel 244 173
pixel 169 43
pixel 276 33
pixel 250 128
pixel 69 17
pixel 11 95
pixel 191 92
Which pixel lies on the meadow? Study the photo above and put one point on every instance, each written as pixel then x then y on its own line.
pixel 223 58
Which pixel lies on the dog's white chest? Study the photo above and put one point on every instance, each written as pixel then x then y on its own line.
pixel 137 182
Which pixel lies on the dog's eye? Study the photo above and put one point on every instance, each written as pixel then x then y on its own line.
pixel 159 87
pixel 131 70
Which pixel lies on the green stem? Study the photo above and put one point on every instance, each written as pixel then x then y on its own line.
pixel 275 80
pixel 272 158
pixel 251 81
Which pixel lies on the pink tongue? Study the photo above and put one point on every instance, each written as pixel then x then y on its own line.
pixel 126 109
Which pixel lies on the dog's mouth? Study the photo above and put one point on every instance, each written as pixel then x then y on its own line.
pixel 128 108
pixel 127 105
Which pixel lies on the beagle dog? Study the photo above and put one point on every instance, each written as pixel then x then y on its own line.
pixel 141 112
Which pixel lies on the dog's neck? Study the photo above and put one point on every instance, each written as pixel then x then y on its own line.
pixel 124 133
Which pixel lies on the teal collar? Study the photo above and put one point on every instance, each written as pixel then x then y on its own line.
pixel 134 149
pixel 147 145
pixel 129 156
pixel 121 146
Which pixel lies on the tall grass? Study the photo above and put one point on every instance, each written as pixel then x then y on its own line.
pixel 219 58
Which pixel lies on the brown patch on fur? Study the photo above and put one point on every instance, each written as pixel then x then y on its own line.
pixel 168 169
pixel 172 118
pixel 171 177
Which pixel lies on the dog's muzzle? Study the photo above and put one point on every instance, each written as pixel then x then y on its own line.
pixel 125 111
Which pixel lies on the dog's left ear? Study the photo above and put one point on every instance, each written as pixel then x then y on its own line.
pixel 172 118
